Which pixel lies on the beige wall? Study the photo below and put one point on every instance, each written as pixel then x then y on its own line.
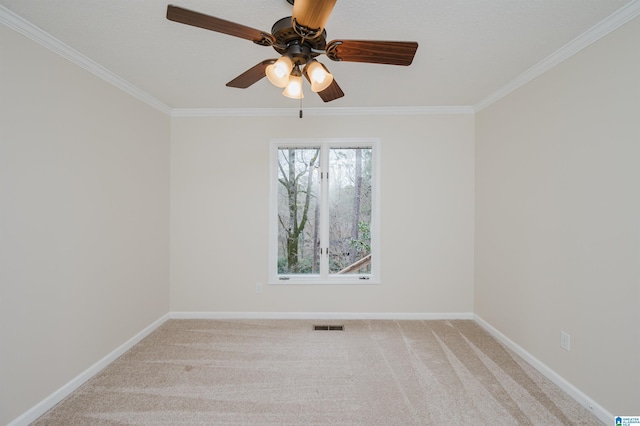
pixel 84 221
pixel 558 218
pixel 219 215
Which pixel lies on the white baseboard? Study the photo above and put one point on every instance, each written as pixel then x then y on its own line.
pixel 53 399
pixel 582 399
pixel 49 402
pixel 322 315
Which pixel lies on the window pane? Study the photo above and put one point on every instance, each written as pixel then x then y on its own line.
pixel 298 210
pixel 350 210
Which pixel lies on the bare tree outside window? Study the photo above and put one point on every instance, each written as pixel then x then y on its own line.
pixel 298 211
pixel 349 209
pixel 345 247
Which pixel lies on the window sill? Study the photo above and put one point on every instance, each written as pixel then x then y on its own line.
pixel 356 280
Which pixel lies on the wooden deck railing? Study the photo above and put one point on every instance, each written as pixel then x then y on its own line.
pixel 357 265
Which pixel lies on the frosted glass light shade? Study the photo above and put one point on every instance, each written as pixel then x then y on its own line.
pixel 278 72
pixel 294 88
pixel 319 76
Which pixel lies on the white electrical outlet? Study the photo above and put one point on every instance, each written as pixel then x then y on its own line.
pixel 565 341
pixel 258 288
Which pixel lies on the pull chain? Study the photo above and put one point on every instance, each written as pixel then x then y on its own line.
pixel 300 115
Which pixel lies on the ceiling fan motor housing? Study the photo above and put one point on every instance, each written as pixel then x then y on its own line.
pixel 289 42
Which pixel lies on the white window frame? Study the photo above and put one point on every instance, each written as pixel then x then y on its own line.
pixel 324 277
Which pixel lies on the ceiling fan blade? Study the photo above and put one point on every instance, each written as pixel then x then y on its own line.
pixel 332 92
pixel 372 51
pixel 197 19
pixel 310 16
pixel 250 76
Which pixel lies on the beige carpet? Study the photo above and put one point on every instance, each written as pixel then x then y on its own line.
pixel 202 372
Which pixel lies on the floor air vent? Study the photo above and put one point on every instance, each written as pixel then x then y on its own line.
pixel 328 328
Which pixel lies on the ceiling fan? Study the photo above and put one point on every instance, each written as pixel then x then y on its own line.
pixel 299 39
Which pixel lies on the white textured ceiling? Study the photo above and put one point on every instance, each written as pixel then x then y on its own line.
pixel 468 48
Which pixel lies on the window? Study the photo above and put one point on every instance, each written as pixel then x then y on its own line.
pixel 324 212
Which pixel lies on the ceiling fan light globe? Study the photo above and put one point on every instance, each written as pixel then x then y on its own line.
pixel 294 88
pixel 278 72
pixel 319 77
pixel 319 86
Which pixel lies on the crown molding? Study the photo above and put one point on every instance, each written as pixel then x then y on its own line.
pixel 614 21
pixel 609 24
pixel 45 39
pixel 329 111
